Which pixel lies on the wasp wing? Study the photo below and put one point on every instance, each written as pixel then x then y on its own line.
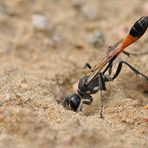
pixel 106 58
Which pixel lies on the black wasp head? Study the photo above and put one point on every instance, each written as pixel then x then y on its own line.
pixel 72 102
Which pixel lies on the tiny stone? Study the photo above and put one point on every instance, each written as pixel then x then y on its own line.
pixel 90 12
pixel 25 86
pixel 40 22
pixel 97 39
pixel 77 3
pixel 7 97
pixel 56 38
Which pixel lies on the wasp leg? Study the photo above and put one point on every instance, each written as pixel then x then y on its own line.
pixel 87 101
pixel 80 107
pixel 87 65
pixel 110 69
pixel 101 105
pixel 86 98
pixel 109 66
pixel 134 54
pixel 127 53
pixel 131 67
pixel 101 88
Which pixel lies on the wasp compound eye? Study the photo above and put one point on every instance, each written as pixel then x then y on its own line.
pixel 72 102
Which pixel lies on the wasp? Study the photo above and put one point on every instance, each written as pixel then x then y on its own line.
pixel 95 80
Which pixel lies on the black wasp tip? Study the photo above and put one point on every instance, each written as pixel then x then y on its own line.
pixel 140 27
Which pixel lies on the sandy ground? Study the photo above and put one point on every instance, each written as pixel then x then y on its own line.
pixel 39 64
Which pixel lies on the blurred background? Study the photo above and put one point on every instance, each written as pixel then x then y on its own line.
pixel 44 44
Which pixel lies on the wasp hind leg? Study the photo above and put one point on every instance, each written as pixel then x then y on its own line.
pixel 119 68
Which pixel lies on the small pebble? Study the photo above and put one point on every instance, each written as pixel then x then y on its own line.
pixel 56 38
pixel 97 39
pixel 7 97
pixel 77 4
pixel 40 22
pixel 90 12
pixel 24 86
